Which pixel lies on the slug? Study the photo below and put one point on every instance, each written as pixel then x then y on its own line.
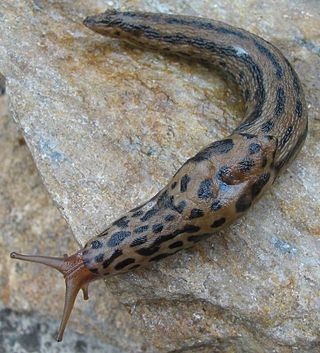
pixel 222 181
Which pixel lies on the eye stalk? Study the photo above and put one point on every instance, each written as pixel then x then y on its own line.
pixel 76 275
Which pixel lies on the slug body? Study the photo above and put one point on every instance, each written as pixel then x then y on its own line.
pixel 222 181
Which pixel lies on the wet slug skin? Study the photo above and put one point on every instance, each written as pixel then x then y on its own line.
pixel 222 181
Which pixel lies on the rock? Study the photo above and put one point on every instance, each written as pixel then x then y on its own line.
pixel 31 298
pixel 29 332
pixel 76 96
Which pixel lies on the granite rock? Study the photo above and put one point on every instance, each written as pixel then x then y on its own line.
pixel 31 298
pixel 76 96
pixel 26 332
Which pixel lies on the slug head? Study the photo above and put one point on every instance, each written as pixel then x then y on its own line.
pixel 76 275
pixel 106 23
pixel 116 24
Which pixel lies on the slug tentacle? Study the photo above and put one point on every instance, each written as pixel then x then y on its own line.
pixel 76 275
pixel 222 181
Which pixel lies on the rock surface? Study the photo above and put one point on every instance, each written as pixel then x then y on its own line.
pixel 76 96
pixel 31 299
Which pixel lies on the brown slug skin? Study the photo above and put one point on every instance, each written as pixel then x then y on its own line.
pixel 222 181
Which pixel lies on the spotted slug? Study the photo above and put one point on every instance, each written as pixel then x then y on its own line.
pixel 222 181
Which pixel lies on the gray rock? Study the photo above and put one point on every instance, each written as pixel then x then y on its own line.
pixel 26 332
pixel 31 295
pixel 76 96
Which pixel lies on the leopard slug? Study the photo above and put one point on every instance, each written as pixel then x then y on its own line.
pixel 222 181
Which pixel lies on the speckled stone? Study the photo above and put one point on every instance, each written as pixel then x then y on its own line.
pixel 28 332
pixel 106 124
pixel 32 297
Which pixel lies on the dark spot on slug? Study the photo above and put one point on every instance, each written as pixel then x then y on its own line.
pixel 216 205
pixel 286 137
pixel 267 126
pixel 96 244
pixel 160 257
pixel 294 150
pixel 202 24
pixel 164 238
pixel 166 201
pixel 254 148
pixel 149 214
pixel 190 228
pixel 141 229
pixel 241 78
pixel 132 14
pixel 295 79
pixel 216 148
pixel 121 222
pixel 233 32
pixel 181 206
pixel 174 39
pixel 134 267
pixel 269 137
pixel 196 213
pixel 157 228
pixel 94 270
pixel 246 94
pixel 243 203
pixel 184 183
pixel 218 222
pixel 177 244
pixel 205 189
pixel 246 164
pixel 224 172
pixel 139 241
pixel 264 161
pixel 247 136
pixel 137 214
pixel 107 262
pixel 99 258
pixel 222 64
pixel 117 238
pixel 169 218
pixel 264 50
pixel 299 108
pixel 280 102
pixel 199 237
pixel 260 183
pixel 148 251
pixel 121 265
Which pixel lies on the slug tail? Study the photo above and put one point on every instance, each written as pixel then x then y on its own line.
pixel 76 275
